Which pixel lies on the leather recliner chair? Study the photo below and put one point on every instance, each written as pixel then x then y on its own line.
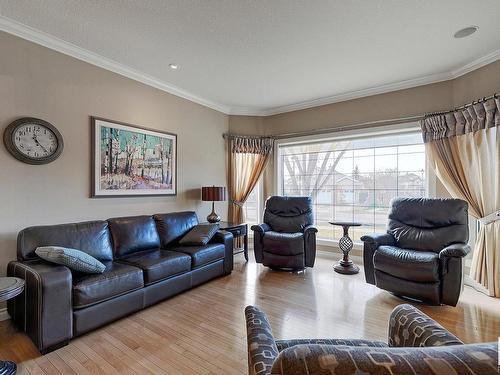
pixel 421 254
pixel 287 238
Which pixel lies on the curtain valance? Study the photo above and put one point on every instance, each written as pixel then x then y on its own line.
pixel 251 145
pixel 477 116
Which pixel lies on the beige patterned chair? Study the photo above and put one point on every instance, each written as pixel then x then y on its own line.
pixel 417 345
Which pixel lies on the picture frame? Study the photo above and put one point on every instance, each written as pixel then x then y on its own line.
pixel 131 161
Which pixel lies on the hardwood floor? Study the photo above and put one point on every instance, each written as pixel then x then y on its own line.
pixel 203 330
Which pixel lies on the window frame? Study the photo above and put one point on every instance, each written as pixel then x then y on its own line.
pixel 401 128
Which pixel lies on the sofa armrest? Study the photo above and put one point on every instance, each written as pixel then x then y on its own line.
pixel 379 239
pixel 262 348
pixel 310 229
pixel 410 327
pixel 370 244
pixel 310 245
pixel 261 228
pixel 456 250
pixel 226 238
pixel 258 237
pixel 44 311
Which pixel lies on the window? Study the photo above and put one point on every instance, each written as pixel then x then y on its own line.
pixel 353 179
pixel 252 207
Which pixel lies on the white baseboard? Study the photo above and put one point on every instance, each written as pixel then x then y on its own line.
pixel 4 315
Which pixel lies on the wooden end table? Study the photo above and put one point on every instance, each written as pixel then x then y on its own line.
pixel 10 287
pixel 238 230
pixel 345 265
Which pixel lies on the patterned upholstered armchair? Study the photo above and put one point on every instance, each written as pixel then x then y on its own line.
pixel 417 345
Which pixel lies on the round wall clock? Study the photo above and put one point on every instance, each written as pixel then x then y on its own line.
pixel 33 141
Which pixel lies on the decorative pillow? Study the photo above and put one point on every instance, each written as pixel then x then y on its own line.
pixel 199 235
pixel 74 259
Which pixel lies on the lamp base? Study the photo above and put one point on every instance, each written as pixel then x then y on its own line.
pixel 213 217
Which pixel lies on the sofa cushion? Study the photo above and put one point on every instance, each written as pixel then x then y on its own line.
pixel 133 234
pixel 91 237
pixel 157 265
pixel 116 280
pixel 171 227
pixel 73 259
pixel 420 266
pixel 283 243
pixel 202 255
pixel 199 235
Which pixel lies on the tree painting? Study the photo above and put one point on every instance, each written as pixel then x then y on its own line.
pixel 135 160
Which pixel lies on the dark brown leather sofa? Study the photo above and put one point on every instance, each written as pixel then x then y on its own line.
pixel 421 254
pixel 144 265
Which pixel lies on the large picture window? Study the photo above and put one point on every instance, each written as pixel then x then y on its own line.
pixel 353 179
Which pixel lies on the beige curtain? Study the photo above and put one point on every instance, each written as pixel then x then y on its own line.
pixel 464 149
pixel 248 157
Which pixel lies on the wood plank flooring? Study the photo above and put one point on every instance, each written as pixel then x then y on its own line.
pixel 203 330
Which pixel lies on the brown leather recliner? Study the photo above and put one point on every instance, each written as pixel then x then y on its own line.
pixel 287 238
pixel 420 255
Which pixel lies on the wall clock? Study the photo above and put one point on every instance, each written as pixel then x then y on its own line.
pixel 33 141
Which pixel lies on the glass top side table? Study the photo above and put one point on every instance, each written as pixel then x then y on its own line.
pixel 10 287
pixel 345 265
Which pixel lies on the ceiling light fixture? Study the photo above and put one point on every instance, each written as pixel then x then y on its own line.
pixel 465 32
pixel 173 66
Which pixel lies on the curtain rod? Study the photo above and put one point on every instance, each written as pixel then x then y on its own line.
pixel 232 135
pixel 494 96
pixel 358 126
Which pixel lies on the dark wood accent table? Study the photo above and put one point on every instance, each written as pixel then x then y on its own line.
pixel 345 265
pixel 10 287
pixel 238 230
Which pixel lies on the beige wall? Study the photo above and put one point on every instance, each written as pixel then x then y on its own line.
pixel 397 104
pixel 38 82
pixel 477 84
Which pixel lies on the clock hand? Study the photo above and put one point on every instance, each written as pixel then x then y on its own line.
pixel 38 143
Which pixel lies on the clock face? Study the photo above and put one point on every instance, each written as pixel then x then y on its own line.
pixel 35 141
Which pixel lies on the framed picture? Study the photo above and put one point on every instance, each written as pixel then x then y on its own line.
pixel 131 161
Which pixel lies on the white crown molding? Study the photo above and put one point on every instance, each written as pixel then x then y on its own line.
pixel 39 37
pixel 476 64
pixel 382 89
pixel 4 315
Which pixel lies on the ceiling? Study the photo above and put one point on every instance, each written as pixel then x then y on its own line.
pixel 263 57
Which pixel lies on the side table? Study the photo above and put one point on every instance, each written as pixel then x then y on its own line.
pixel 345 265
pixel 238 230
pixel 10 287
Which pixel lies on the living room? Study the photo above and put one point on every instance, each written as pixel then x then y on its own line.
pixel 249 187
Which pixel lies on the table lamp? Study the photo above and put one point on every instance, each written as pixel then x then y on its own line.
pixel 213 194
